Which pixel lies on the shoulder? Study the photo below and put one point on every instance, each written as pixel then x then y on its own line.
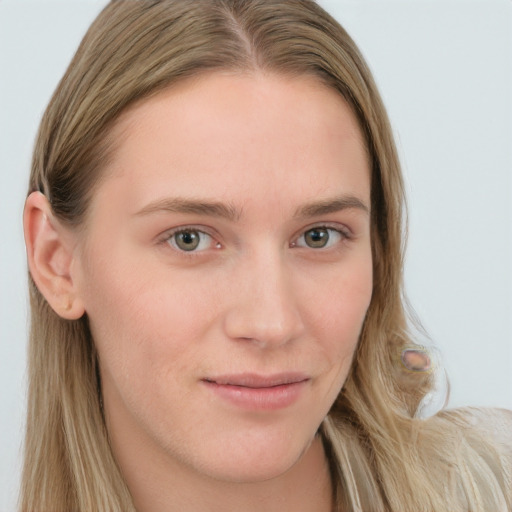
pixel 497 422
pixel 479 427
pixel 481 440
pixel 485 430
pixel 494 425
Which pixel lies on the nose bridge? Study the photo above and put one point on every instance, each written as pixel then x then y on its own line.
pixel 264 308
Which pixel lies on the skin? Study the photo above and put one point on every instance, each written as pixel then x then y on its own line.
pixel 253 298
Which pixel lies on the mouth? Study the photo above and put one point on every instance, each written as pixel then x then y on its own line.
pixel 254 381
pixel 258 392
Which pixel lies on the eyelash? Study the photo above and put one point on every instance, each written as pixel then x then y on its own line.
pixel 343 233
pixel 169 238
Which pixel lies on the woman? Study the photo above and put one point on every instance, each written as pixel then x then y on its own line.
pixel 214 241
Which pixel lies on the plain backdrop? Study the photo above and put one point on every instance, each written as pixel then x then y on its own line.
pixel 445 72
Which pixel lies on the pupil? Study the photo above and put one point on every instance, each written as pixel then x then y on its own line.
pixel 317 237
pixel 188 240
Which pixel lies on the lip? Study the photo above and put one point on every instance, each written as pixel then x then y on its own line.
pixel 258 392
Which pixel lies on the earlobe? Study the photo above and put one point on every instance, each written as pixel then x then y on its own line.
pixel 50 257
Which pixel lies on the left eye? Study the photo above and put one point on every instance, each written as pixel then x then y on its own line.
pixel 189 240
pixel 319 238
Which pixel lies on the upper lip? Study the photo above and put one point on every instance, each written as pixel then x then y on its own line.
pixel 252 380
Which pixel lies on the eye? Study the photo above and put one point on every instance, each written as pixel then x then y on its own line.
pixel 320 237
pixel 190 240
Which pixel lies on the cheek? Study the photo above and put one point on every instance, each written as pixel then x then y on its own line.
pixel 338 314
pixel 341 303
pixel 133 317
pixel 143 350
pixel 132 314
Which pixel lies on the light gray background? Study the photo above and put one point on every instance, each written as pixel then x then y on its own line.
pixel 445 71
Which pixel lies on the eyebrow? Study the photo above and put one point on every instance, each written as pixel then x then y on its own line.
pixel 192 206
pixel 232 213
pixel 331 206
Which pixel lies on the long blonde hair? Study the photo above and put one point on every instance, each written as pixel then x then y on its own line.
pixel 381 456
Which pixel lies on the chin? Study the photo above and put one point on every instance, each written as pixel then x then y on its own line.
pixel 253 471
pixel 253 461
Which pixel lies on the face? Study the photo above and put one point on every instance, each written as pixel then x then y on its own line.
pixel 226 270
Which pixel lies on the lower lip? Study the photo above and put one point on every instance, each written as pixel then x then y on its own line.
pixel 264 399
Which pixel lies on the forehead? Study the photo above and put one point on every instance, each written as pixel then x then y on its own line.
pixel 226 133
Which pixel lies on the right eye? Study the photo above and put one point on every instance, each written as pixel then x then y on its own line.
pixel 190 240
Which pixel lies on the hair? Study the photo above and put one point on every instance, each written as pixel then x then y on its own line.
pixel 382 455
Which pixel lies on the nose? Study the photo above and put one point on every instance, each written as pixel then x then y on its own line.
pixel 264 308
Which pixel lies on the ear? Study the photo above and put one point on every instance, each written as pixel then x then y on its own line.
pixel 50 257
